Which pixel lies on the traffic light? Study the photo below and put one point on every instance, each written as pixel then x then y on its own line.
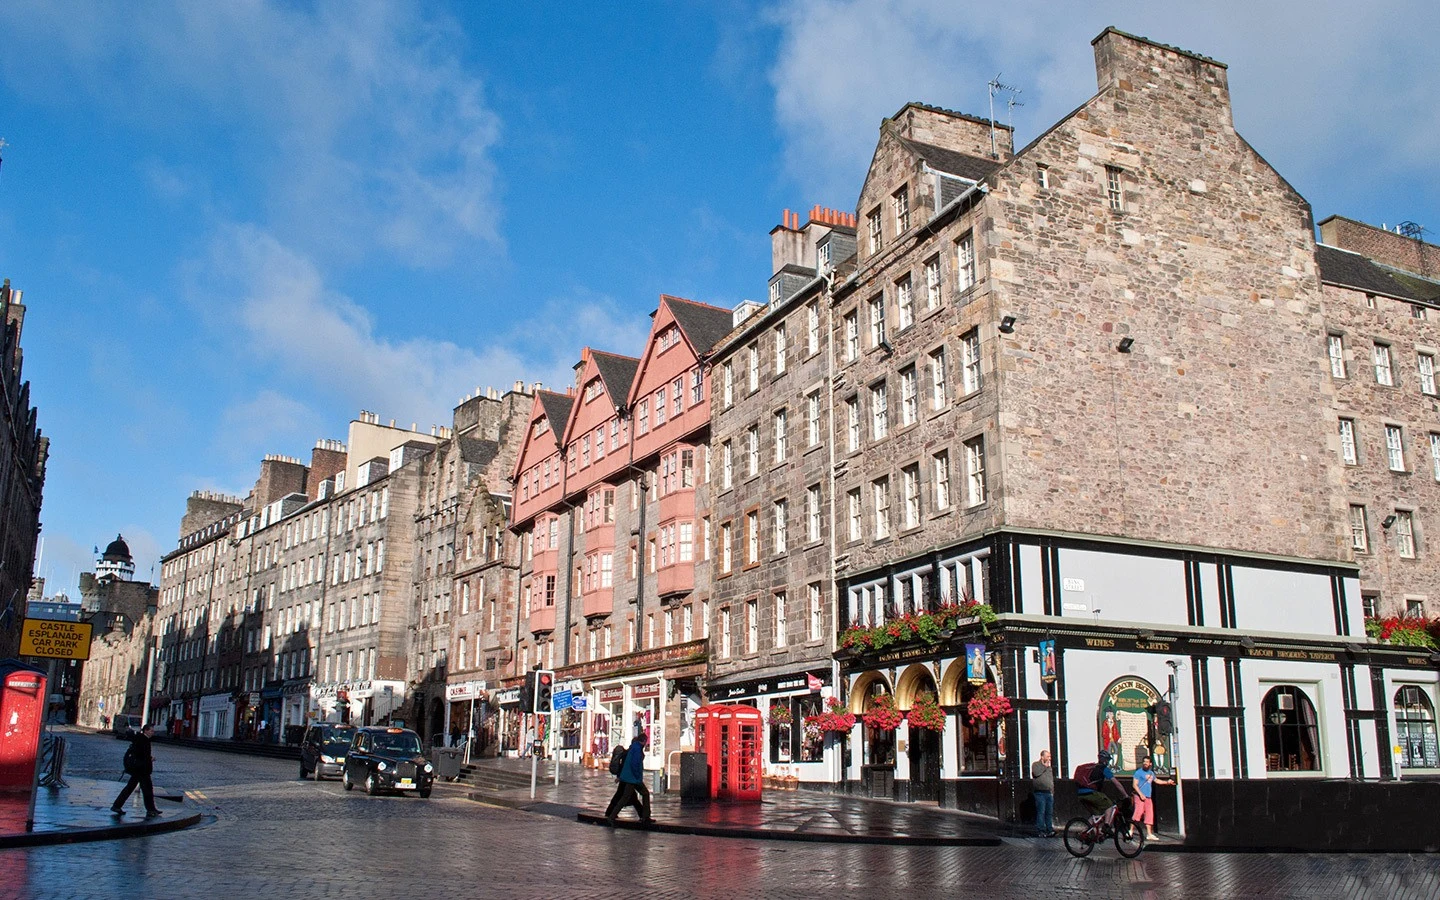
pixel 1164 719
pixel 527 692
pixel 544 692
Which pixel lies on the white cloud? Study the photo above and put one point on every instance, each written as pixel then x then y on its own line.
pixel 358 117
pixel 1324 89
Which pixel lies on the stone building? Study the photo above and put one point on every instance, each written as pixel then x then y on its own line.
pixel 772 629
pixel 122 616
pixel 23 454
pixel 1381 294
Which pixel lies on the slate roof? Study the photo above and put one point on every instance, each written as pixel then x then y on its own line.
pixel 951 162
pixel 617 372
pixel 557 410
pixel 1358 272
pixel 478 451
pixel 702 323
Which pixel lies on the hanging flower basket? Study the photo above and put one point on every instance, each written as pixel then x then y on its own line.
pixel 926 713
pixel 882 715
pixel 1406 631
pixel 834 719
pixel 987 705
pixel 780 714
pixel 931 627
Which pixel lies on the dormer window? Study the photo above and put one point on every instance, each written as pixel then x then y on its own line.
pixel 592 390
pixel 822 257
pixel 668 338
pixel 775 293
pixel 541 426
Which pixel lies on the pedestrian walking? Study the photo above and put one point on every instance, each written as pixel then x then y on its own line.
pixel 138 764
pixel 632 790
pixel 1144 790
pixel 1042 787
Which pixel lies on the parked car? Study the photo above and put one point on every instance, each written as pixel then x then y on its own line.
pixel 387 759
pixel 323 749
pixel 125 726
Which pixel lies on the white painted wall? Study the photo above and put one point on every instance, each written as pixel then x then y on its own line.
pixel 1210 594
pixel 1276 600
pixel 1124 588
pixel 1032 585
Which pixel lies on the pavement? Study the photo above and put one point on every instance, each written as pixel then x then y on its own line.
pixel 266 833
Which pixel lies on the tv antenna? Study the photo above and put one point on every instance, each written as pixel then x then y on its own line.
pixel 996 85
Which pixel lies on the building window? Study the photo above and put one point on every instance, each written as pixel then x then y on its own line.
pixel 781 347
pixel 727 465
pixel 909 396
pixel 813 595
pixel 965 262
pixel 677 396
pixel 905 303
pixel 752 626
pixel 1370 301
pixel 727 385
pixel 752 450
pixel 642 417
pixel 1395 447
pixel 853 514
pixel 780 515
pixel 942 479
pixel 1426 363
pixel 1417 311
pixel 1292 736
pixel 872 229
pixel 812 419
pixel 1435 454
pixel 1042 175
pixel 1337 355
pixel 1415 729
pixel 975 470
pixel 688 623
pixel 1383 374
pixel 686 542
pixel 1359 531
pixel 782 435
pixel 1348 452
pixel 812 328
pixel 852 336
pixel 932 283
pixel 725 632
pixel 939 380
pixel 1115 188
pixel 774 294
pixel 900 202
pixel 879 412
pixel 812 513
pixel 781 626
pixel 852 424
pixel 753 366
pixel 880 499
pixel 877 320
pixel 1369 605
pixel 910 478
pixel 970 361
pixel 752 538
pixel 726 548
pixel 1414 608
pixel 1405 533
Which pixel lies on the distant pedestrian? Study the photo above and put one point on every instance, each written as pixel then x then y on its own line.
pixel 632 790
pixel 138 765
pixel 1144 789
pixel 1042 787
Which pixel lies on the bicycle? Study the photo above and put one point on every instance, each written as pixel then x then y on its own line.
pixel 1082 834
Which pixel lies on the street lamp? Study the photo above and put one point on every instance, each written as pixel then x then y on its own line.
pixel 1175 667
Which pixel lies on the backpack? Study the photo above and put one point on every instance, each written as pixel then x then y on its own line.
pixel 1085 775
pixel 131 760
pixel 617 759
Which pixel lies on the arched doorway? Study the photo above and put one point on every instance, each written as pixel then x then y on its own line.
pixel 1292 735
pixel 1415 729
pixel 877 746
pixel 923 745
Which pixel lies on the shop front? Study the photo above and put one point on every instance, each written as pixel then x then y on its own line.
pixel 294 710
pixel 465 712
pixel 793 753
pixel 508 732
pixel 217 717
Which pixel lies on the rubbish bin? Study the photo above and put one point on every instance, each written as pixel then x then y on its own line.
pixel 447 762
pixel 694 777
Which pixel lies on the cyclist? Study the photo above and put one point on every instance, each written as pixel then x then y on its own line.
pixel 1090 781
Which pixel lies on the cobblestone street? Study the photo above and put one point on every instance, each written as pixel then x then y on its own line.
pixel 274 835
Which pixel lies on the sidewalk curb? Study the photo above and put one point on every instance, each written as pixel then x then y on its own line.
pixel 763 834
pixel 142 828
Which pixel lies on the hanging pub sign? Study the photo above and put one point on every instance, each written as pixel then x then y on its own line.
pixel 1047 661
pixel 975 663
pixel 1125 722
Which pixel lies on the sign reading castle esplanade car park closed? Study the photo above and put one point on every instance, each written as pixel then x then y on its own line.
pixel 55 639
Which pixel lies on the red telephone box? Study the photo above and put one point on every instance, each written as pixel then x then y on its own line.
pixel 732 739
pixel 22 715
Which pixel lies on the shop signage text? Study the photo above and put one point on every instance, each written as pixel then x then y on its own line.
pixel 645 659
pixel 785 684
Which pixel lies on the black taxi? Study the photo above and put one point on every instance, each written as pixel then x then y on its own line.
pixel 387 759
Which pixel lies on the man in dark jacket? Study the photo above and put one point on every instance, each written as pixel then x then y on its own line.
pixel 632 789
pixel 138 765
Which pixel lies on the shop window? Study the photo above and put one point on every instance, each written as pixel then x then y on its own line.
pixel 1292 737
pixel 1415 729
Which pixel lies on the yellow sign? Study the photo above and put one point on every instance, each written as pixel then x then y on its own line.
pixel 55 640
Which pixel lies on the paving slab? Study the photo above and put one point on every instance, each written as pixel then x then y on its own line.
pixel 80 811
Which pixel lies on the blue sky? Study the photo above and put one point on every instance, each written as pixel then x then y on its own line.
pixel 239 223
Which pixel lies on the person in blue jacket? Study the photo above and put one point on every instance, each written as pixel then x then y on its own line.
pixel 632 790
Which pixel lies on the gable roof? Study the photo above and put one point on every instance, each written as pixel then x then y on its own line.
pixel 704 325
pixel 950 162
pixel 1345 268
pixel 617 372
pixel 557 410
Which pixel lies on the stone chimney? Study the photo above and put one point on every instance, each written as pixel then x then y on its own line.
pixel 1125 63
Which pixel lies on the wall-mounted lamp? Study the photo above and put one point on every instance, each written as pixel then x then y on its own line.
pixel 1007 325
pixel 1388 521
pixel 1125 344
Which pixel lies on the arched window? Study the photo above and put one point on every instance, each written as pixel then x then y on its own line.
pixel 879 744
pixel 1292 737
pixel 1415 729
